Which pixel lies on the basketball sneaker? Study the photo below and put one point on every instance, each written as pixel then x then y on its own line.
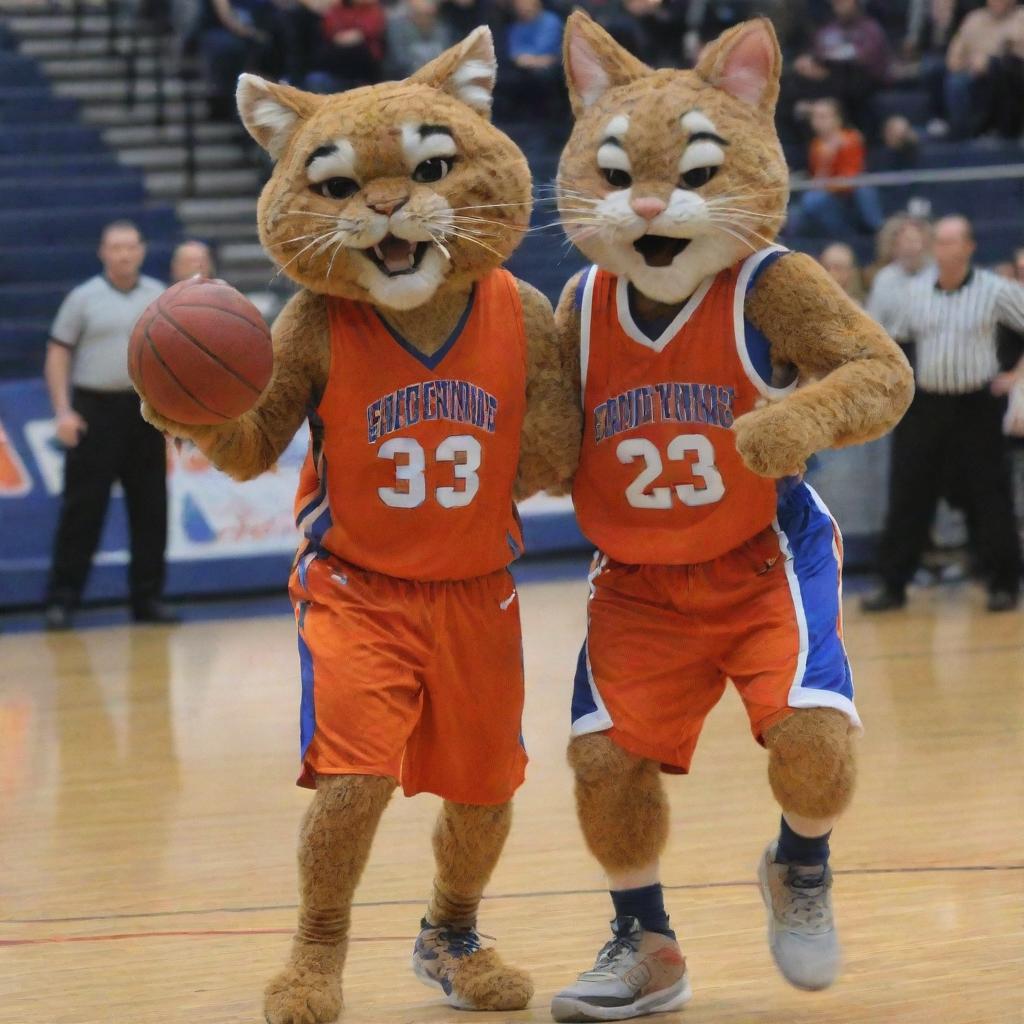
pixel 437 953
pixel 801 930
pixel 636 973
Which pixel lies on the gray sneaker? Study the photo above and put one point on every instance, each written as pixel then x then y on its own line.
pixel 636 973
pixel 801 930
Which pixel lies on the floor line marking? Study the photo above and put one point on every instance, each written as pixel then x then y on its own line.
pixel 684 887
pixel 205 933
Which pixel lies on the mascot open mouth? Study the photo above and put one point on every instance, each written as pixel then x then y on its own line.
pixel 660 250
pixel 395 256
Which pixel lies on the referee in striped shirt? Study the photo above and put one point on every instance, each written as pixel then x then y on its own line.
pixel 953 432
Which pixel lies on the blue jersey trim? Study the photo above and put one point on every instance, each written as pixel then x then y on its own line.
pixel 758 346
pixel 812 541
pixel 581 287
pixel 307 710
pixel 431 362
pixel 582 699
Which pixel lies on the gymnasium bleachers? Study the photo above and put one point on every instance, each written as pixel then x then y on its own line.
pixel 59 184
pixel 77 151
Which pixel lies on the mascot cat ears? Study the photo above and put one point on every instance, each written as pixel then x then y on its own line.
pixel 744 62
pixel 466 72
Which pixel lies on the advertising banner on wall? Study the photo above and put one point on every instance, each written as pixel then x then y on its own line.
pixel 224 536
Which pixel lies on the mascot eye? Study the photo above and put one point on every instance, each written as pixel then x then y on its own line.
pixel 433 169
pixel 336 188
pixel 616 177
pixel 699 176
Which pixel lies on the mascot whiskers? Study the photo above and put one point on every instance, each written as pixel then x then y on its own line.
pixel 426 373
pixel 712 365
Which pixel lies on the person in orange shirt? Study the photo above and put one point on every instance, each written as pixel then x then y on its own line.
pixel 835 211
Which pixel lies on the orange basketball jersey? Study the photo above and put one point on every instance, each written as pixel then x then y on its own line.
pixel 660 480
pixel 412 458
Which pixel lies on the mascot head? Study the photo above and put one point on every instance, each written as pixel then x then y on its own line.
pixel 390 193
pixel 671 176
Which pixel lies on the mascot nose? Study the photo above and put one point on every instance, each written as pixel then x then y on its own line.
pixel 388 206
pixel 647 207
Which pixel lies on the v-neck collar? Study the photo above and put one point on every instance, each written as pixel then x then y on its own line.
pixel 633 330
pixel 432 361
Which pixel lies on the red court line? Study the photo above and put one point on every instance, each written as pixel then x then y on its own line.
pixel 203 934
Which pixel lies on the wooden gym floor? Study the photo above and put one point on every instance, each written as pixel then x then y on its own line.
pixel 148 823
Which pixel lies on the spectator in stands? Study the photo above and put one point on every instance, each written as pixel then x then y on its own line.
pixel 190 259
pixel 835 152
pixel 706 19
pixel 462 16
pixel 236 36
pixel 848 59
pixel 352 51
pixel 911 257
pixel 955 422
pixel 532 80
pixel 1011 342
pixel 931 24
pixel 985 72
pixel 103 433
pixel 649 29
pixel 841 263
pixel 416 35
pixel 898 151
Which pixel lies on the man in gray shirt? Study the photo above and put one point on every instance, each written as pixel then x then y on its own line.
pixel 103 432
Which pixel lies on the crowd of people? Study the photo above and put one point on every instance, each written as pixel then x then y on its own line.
pixel 968 54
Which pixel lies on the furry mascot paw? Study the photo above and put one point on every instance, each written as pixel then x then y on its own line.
pixel 773 442
pixel 483 981
pixel 299 995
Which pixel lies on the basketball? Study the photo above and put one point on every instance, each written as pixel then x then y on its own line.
pixel 201 353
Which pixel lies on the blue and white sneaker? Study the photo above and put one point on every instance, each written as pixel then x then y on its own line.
pixel 471 976
pixel 801 929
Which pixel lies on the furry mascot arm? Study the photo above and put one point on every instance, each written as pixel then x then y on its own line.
pixel 861 383
pixel 251 444
pixel 550 445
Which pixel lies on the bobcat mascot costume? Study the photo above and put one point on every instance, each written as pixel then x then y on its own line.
pixel 425 371
pixel 713 364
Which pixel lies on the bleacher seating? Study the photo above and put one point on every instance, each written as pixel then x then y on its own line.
pixel 59 185
pixel 76 154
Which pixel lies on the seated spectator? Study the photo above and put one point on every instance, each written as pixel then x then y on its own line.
pixel 931 24
pixel 706 19
pixel 899 149
pixel 841 263
pixel 533 77
pixel 985 72
pixel 650 29
pixel 352 50
pixel 848 59
pixel 462 16
pixel 836 152
pixel 236 36
pixel 416 35
pixel 911 243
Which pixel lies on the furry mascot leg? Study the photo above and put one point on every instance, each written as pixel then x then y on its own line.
pixel 812 767
pixel 622 806
pixel 812 770
pixel 333 848
pixel 468 840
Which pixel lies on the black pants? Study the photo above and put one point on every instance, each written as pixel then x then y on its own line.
pixel 119 445
pixel 947 438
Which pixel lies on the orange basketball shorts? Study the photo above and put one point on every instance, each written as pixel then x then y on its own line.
pixel 662 640
pixel 419 681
